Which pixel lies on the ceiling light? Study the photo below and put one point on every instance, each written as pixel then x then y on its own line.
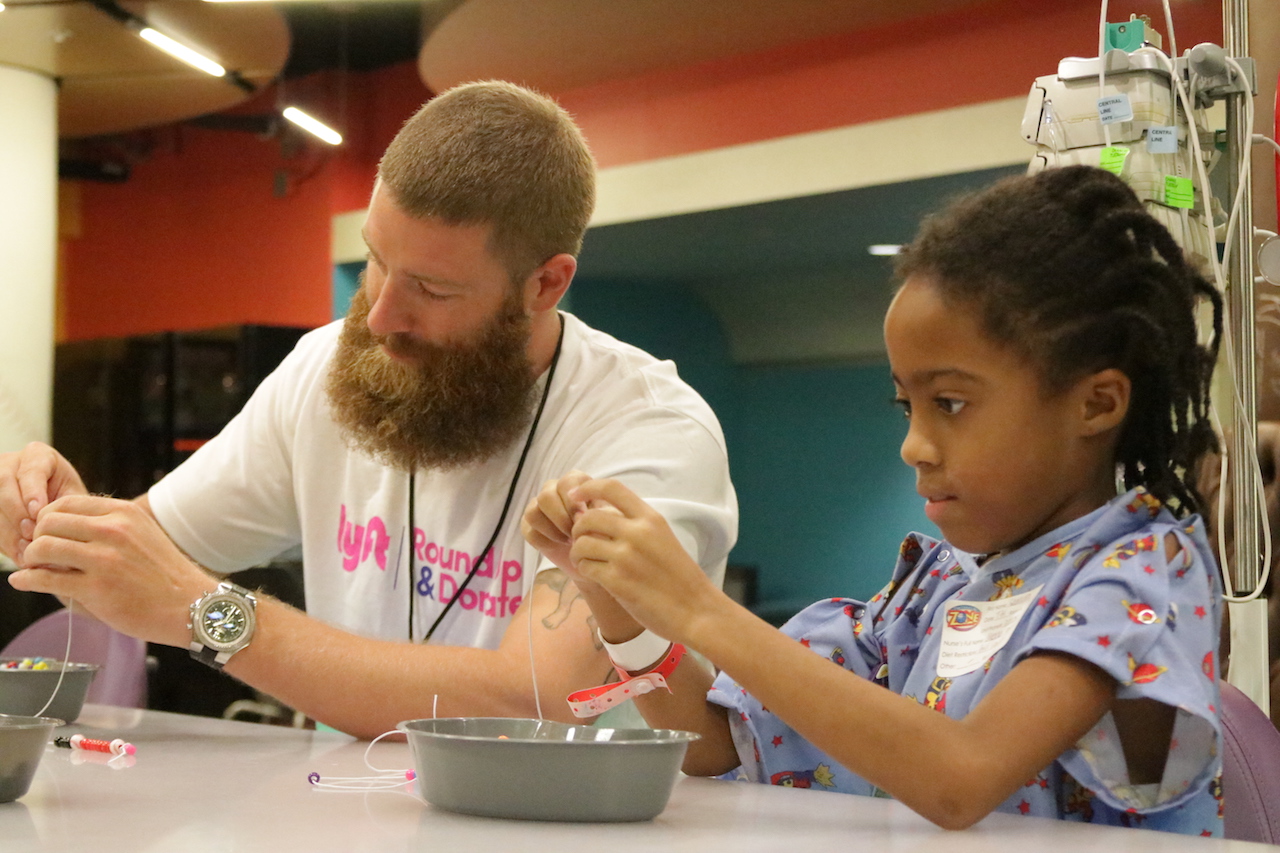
pixel 182 52
pixel 884 249
pixel 311 125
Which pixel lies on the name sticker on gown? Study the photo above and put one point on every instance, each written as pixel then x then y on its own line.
pixel 975 630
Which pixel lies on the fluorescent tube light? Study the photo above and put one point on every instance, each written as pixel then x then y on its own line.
pixel 313 126
pixel 182 52
pixel 884 249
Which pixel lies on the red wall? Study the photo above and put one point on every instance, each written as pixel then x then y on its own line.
pixel 991 51
pixel 197 237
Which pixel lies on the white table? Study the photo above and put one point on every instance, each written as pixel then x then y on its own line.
pixel 212 786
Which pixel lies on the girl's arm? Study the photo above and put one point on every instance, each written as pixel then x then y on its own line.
pixel 953 772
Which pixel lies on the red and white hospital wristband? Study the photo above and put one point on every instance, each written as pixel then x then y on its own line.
pixel 638 653
pixel 594 701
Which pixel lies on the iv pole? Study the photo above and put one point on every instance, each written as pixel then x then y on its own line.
pixel 1248 668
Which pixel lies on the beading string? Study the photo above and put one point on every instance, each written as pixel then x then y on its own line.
pixel 66 655
pixel 386 778
pixel 533 668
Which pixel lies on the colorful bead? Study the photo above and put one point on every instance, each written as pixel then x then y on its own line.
pixel 36 663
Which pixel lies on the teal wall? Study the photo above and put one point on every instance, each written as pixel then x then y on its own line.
pixel 667 320
pixel 825 498
pixel 813 450
pixel 346 280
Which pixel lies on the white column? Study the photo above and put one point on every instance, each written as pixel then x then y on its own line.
pixel 28 251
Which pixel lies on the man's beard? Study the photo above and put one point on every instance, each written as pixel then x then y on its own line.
pixel 452 406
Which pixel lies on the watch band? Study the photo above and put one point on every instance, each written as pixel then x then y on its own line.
pixel 206 655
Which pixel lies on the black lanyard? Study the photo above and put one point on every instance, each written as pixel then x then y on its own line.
pixel 506 506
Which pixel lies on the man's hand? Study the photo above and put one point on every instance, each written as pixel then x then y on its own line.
pixel 29 480
pixel 115 561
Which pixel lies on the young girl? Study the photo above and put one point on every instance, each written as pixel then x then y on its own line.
pixel 1055 654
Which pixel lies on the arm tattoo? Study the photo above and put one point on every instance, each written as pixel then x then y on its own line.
pixel 558 581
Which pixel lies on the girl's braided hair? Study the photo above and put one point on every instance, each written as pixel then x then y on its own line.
pixel 1068 269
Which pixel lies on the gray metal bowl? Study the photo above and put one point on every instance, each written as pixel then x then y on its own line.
pixel 542 770
pixel 24 692
pixel 22 744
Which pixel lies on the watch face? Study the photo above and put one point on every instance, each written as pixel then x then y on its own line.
pixel 225 621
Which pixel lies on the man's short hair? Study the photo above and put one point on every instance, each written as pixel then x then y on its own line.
pixel 493 152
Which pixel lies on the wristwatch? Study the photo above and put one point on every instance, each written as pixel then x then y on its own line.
pixel 222 624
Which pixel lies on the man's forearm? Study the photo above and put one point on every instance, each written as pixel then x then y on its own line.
pixel 364 687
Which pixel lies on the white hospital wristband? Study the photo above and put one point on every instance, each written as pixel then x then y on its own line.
pixel 638 653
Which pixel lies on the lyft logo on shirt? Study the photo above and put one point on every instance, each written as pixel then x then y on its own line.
pixel 357 541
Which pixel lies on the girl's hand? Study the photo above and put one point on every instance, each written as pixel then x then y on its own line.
pixel 548 522
pixel 627 547
pixel 547 525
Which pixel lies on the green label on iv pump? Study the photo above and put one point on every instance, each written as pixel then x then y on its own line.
pixel 1112 158
pixel 1178 192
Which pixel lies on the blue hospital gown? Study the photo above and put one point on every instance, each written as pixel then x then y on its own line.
pixel 1099 588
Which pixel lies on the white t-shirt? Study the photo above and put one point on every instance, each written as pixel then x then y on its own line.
pixel 281 474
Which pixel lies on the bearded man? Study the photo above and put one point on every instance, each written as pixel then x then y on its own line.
pixel 399 448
